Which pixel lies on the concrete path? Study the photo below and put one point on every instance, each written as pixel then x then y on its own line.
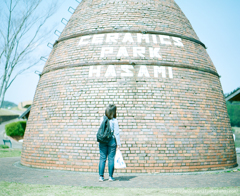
pixel 12 171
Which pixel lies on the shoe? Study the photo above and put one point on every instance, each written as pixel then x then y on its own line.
pixel 101 179
pixel 111 179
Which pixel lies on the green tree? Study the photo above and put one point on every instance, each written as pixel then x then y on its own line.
pixel 21 32
pixel 234 113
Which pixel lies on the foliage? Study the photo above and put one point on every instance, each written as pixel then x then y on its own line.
pixel 237 139
pixel 237 143
pixel 21 32
pixel 234 114
pixel 7 104
pixel 4 146
pixel 15 128
pixel 237 136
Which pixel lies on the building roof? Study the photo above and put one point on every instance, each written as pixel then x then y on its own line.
pixel 25 104
pixel 5 112
pixel 26 113
pixel 234 96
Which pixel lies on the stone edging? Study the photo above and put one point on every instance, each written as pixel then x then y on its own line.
pixel 236 169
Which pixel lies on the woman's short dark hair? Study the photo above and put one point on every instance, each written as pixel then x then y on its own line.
pixel 111 111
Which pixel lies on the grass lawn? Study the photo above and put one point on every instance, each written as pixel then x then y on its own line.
pixel 9 153
pixel 18 189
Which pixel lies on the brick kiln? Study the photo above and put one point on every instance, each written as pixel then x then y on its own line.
pixel 143 56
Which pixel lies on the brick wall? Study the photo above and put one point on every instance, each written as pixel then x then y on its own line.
pixel 171 110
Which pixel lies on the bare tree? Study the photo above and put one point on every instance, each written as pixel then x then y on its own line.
pixel 21 32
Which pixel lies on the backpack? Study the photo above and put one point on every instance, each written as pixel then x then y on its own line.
pixel 104 134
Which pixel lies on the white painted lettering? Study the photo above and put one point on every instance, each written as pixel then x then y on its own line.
pixel 154 52
pixel 82 40
pixel 122 52
pixel 165 40
pixel 170 73
pixel 98 39
pixel 143 71
pixel 106 50
pixel 142 36
pixel 127 38
pixel 96 71
pixel 158 70
pixel 127 68
pixel 128 71
pixel 154 37
pixel 110 71
pixel 177 41
pixel 138 51
pixel 112 37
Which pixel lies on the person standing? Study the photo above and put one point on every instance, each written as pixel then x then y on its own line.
pixel 108 150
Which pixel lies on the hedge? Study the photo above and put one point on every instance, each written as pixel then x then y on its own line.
pixel 4 146
pixel 234 114
pixel 15 128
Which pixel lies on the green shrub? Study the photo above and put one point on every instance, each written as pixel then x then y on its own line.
pixel 15 128
pixel 233 130
pixel 237 144
pixel 234 113
pixel 4 146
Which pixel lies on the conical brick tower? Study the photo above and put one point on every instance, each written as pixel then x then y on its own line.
pixel 143 56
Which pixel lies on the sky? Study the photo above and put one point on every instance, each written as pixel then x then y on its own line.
pixel 216 23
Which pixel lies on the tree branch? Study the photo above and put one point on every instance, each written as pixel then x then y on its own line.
pixel 19 38
pixel 20 72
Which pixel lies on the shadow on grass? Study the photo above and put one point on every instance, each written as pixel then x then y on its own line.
pixel 124 178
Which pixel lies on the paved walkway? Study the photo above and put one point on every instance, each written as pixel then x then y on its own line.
pixel 12 171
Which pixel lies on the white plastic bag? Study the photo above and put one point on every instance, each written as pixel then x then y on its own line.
pixel 118 161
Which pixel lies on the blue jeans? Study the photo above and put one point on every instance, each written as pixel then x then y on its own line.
pixel 107 150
